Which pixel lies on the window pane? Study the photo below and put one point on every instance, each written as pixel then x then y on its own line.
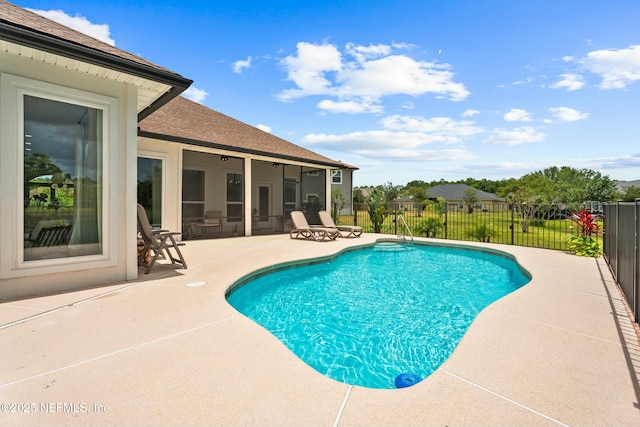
pixel 63 180
pixel 150 188
pixel 234 187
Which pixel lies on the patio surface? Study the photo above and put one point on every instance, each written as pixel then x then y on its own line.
pixel 559 351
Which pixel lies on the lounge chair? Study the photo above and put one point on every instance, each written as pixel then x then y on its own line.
pixel 158 241
pixel 345 230
pixel 302 228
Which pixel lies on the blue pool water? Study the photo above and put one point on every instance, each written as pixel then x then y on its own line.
pixel 369 315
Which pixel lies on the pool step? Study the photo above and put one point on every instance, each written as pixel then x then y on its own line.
pixel 389 247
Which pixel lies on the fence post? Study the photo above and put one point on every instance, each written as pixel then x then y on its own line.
pixel 445 221
pixel 395 218
pixel 512 207
pixel 636 272
pixel 355 213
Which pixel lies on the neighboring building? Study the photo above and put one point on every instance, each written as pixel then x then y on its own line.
pixel 75 163
pixel 454 193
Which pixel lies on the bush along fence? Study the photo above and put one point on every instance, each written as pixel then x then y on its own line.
pixel 621 249
pixel 548 227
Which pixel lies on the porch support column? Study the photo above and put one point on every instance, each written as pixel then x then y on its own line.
pixel 327 189
pixel 248 186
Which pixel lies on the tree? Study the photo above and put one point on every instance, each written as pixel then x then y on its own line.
pixel 470 198
pixel 389 191
pixel 377 209
pixel 358 196
pixel 629 194
pixel 532 195
pixel 337 200
pixel 419 197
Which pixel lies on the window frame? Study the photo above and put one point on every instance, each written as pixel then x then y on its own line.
pixel 13 89
pixel 336 173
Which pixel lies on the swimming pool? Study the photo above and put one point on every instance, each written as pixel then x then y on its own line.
pixel 368 315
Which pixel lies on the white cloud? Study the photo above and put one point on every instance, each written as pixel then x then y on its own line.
pixel 370 140
pixel 470 113
pixel 617 67
pixel 517 136
pixel 365 74
pixel 352 107
pixel 449 130
pixel 403 138
pixel 517 115
pixel 264 128
pixel 570 82
pixel 567 114
pixel 628 161
pixel 386 145
pixel 195 94
pixel 240 65
pixel 78 23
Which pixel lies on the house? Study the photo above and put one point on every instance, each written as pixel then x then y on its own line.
pixel 454 195
pixel 251 178
pixel 88 130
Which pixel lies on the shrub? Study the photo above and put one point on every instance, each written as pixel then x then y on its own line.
pixel 429 227
pixel 584 246
pixel 482 233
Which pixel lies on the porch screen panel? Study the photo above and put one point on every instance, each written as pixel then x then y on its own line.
pixel 234 197
pixel 63 179
pixel 192 194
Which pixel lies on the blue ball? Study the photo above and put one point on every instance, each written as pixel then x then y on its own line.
pixel 406 380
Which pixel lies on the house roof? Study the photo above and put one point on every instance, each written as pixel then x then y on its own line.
pixel 456 192
pixel 623 184
pixel 185 121
pixel 30 35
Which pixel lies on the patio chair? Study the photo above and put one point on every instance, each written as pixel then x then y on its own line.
pixel 54 235
pixel 158 241
pixel 302 228
pixel 345 230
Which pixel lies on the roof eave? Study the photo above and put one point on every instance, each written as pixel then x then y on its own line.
pixel 43 42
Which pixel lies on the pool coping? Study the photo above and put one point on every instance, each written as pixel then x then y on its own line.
pixel 558 351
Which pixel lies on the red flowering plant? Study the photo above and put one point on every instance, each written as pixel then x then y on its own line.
pixel 586 223
pixel 584 244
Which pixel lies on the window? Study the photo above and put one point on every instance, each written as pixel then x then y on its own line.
pixel 290 198
pixel 60 175
pixel 192 194
pixel 63 180
pixel 336 177
pixel 150 175
pixel 234 197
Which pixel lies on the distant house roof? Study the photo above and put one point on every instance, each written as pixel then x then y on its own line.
pixel 185 121
pixel 623 184
pixel 28 34
pixel 456 192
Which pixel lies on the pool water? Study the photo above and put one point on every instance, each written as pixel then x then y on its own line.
pixel 369 315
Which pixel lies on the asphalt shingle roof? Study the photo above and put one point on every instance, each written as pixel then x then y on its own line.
pixel 21 18
pixel 456 191
pixel 182 120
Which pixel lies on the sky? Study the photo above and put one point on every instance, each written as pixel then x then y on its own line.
pixel 403 90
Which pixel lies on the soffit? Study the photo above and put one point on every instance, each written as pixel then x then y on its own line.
pixel 148 90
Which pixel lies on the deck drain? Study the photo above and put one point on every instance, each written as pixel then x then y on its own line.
pixel 195 284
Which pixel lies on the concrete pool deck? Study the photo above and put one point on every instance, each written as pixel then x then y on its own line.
pixel 559 351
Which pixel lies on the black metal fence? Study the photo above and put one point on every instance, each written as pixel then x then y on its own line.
pixel 621 243
pixel 548 227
